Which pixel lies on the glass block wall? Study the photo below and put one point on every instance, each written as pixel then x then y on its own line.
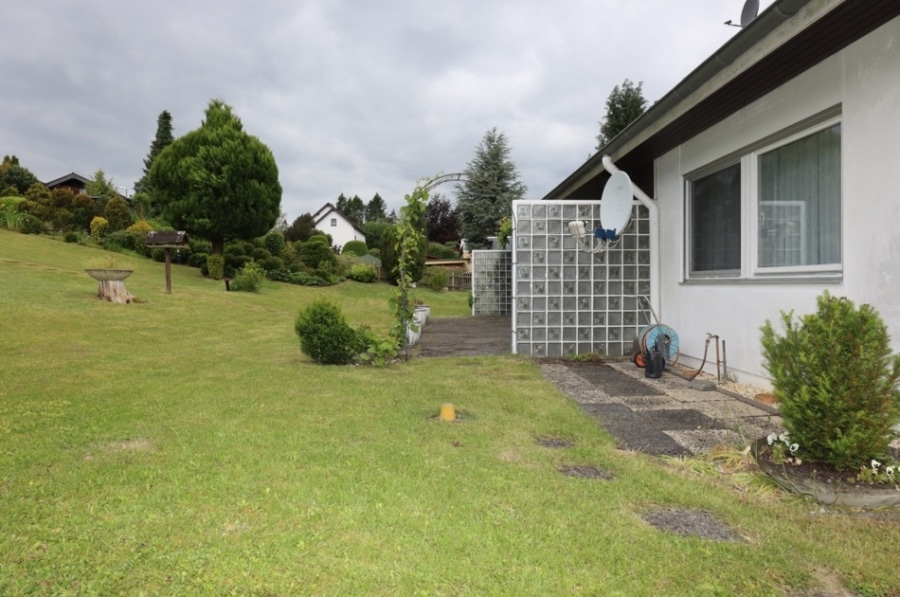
pixel 491 282
pixel 567 301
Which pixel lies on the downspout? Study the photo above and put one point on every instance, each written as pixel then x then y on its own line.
pixel 653 208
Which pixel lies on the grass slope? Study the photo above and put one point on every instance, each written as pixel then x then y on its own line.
pixel 184 446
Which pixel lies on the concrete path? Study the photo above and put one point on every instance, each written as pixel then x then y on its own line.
pixel 655 416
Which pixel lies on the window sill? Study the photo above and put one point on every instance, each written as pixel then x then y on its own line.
pixel 832 278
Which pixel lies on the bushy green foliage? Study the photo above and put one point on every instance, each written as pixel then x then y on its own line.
pixel 217 182
pixel 325 335
pixel 390 258
pixel 274 243
pixel 249 278
pixel 314 253
pixel 215 265
pixel 363 272
pixel 439 251
pixel 835 380
pixel 98 228
pixel 437 278
pixel 320 238
pixel 355 247
pixel 70 237
pixel 117 214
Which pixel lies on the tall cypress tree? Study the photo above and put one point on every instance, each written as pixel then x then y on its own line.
pixel 623 106
pixel 162 140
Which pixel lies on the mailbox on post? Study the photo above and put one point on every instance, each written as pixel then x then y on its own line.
pixel 168 240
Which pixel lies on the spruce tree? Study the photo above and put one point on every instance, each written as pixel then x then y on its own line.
pixel 490 186
pixel 162 140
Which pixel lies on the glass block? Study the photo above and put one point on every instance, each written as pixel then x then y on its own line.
pixel 554 349
pixel 570 349
pixel 539 349
pixel 538 318
pixel 553 242
pixel 554 257
pixel 553 334
pixel 615 318
pixel 569 303
pixel 524 273
pixel 539 226
pixel 555 227
pixel 570 273
pixel 585 319
pixel 554 318
pixel 523 333
pixel 539 242
pixel 554 288
pixel 523 211
pixel 554 303
pixel 539 304
pixel 538 334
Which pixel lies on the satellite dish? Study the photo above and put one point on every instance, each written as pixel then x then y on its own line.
pixel 751 9
pixel 615 205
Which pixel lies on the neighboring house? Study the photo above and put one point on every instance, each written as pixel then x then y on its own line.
pixel 330 221
pixel 775 167
pixel 74 182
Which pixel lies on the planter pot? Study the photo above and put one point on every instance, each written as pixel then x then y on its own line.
pixel 823 491
pixel 426 311
pixel 412 335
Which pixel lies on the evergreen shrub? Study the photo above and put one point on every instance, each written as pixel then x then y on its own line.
pixel 249 278
pixel 835 379
pixel 362 272
pixel 355 247
pixel 325 336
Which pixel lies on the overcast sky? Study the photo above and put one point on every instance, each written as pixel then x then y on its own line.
pixel 351 96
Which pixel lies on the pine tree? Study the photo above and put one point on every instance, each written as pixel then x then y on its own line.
pixel 623 106
pixel 162 140
pixel 376 209
pixel 491 184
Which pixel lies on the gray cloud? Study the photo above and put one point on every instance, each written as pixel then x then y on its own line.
pixel 352 97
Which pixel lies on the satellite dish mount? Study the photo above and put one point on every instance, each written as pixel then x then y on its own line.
pixel 615 215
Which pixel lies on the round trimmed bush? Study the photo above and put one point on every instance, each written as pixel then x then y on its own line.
pixel 362 272
pixel 325 336
pixel 355 247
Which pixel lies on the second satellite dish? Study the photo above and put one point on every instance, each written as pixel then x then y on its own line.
pixel 751 9
pixel 615 206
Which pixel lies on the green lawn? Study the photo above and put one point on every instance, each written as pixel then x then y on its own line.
pixel 183 445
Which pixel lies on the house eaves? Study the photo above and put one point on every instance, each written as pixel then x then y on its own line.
pixel 788 38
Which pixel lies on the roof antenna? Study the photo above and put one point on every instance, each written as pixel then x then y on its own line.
pixel 751 9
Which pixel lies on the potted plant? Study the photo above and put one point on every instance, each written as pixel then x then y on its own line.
pixel 836 382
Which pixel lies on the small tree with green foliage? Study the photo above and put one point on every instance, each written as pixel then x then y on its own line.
pixel 835 379
pixel 623 106
pixel 15 176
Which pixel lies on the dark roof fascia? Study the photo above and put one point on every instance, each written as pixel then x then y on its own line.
pixel 69 176
pixel 747 38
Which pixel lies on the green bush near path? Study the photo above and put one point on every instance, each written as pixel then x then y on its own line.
pixel 184 445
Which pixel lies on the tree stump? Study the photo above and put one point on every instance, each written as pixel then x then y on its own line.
pixel 111 284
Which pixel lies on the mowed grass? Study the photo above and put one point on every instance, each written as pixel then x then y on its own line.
pixel 183 445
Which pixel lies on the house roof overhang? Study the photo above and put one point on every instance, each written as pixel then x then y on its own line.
pixel 787 39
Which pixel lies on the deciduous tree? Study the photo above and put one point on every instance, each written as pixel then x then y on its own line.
pixel 14 175
pixel 441 223
pixel 218 182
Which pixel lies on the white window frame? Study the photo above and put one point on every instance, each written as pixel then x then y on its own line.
pixel 688 223
pixel 752 168
pixel 750 213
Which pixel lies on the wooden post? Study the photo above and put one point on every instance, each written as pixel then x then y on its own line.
pixel 168 270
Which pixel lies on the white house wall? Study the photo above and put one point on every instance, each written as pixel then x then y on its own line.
pixel 864 80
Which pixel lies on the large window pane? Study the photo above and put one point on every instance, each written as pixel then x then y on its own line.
pixel 800 202
pixel 715 212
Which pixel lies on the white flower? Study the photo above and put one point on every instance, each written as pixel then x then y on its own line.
pixel 889 471
pixel 783 437
pixel 771 438
pixel 875 464
pixel 794 447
